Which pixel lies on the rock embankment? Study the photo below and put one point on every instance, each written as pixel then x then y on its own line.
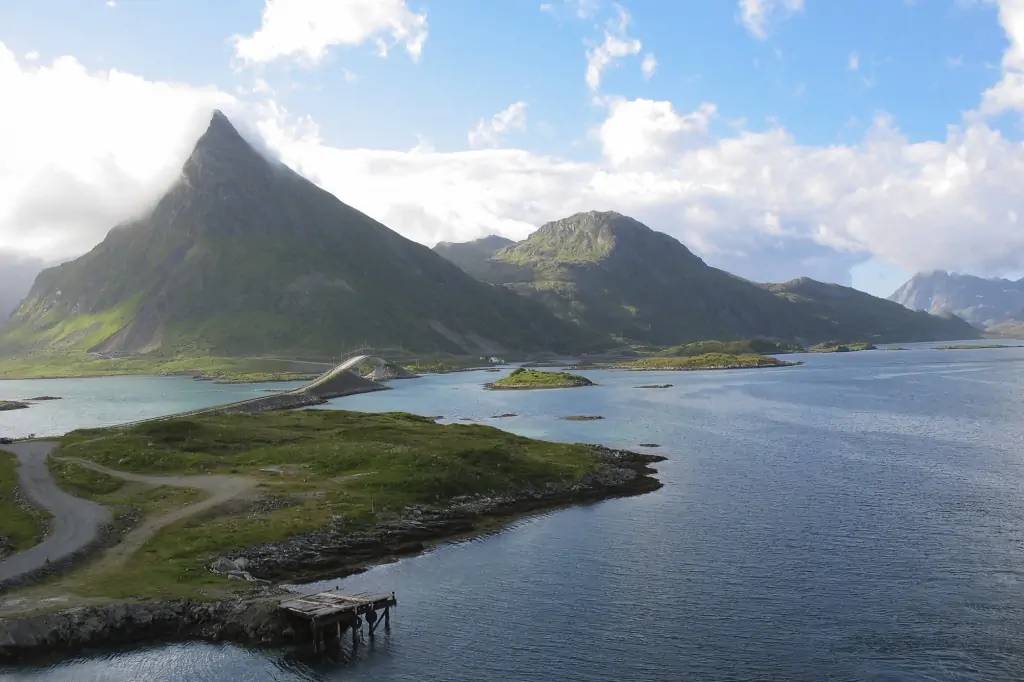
pixel 254 620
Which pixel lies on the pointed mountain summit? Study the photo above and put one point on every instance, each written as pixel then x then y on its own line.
pixel 611 274
pixel 244 256
pixel 982 302
pixel 221 155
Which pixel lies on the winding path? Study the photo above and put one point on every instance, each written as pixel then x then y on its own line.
pixel 220 489
pixel 75 524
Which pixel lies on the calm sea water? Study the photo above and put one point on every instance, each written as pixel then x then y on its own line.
pixel 105 401
pixel 859 517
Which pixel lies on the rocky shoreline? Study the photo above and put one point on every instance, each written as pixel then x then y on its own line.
pixel 331 552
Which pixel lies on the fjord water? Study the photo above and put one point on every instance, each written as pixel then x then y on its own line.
pixel 858 517
pixel 106 401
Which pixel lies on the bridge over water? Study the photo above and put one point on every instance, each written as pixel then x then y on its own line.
pixel 336 382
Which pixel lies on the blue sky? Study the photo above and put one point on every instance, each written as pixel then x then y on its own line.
pixel 795 93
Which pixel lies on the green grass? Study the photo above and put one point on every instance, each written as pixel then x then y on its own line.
pixel 22 527
pixel 706 361
pixel 76 364
pixel 524 378
pixel 837 347
pixel 743 347
pixel 443 364
pixel 326 463
pixel 75 333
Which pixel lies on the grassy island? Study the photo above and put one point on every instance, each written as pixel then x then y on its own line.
pixel 523 378
pixel 12 405
pixel 705 361
pixel 837 347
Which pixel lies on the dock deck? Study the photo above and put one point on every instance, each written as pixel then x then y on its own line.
pixel 326 609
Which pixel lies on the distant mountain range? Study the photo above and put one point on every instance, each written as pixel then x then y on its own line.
pixel 987 303
pixel 244 256
pixel 612 275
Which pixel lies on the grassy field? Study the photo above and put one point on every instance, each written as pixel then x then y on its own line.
pixel 706 361
pixel 523 378
pixel 21 527
pixel 315 466
pixel 743 347
pixel 443 364
pixel 77 364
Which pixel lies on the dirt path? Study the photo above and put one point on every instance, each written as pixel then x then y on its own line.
pixel 219 488
pixel 76 522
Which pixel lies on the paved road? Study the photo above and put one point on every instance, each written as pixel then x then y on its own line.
pixel 76 522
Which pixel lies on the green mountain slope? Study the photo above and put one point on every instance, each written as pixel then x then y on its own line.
pixel 613 275
pixel 244 256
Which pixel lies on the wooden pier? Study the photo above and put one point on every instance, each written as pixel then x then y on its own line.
pixel 329 614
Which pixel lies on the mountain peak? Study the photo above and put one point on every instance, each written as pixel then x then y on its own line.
pixel 593 236
pixel 220 151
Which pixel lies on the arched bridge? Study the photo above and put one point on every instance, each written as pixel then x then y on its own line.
pixel 334 383
pixel 341 377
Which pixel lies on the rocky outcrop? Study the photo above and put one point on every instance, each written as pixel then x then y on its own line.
pixel 254 620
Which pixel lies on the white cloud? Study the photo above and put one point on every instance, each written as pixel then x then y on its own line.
pixel 85 150
pixel 616 45
pixel 32 56
pixel 607 52
pixel 488 133
pixel 756 15
pixel 305 29
pixel 583 9
pixel 649 65
pixel 649 132
pixel 853 62
pixel 1008 93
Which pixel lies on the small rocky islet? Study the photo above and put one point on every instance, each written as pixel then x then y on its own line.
pixel 525 379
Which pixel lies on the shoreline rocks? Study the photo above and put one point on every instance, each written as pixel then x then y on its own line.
pixel 248 620
pixel 339 550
